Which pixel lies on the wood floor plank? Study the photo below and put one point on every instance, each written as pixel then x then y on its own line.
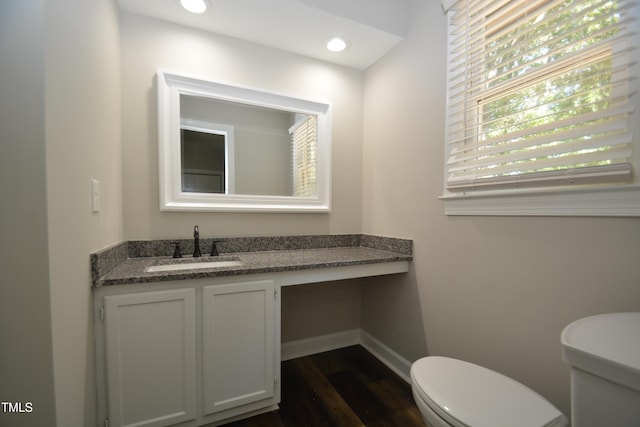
pixel 361 363
pixel 397 402
pixel 340 412
pixel 270 419
pixel 300 404
pixel 361 400
pixel 333 361
pixel 347 387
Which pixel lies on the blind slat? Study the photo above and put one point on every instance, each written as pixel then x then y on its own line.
pixel 621 110
pixel 549 145
pixel 479 35
pixel 596 174
pixel 542 161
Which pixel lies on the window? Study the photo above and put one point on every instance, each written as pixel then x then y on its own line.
pixel 541 115
pixel 304 155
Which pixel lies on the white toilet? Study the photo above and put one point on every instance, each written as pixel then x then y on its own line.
pixel 604 354
pixel 454 393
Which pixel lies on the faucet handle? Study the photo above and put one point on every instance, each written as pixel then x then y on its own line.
pixel 196 231
pixel 176 251
pixel 214 249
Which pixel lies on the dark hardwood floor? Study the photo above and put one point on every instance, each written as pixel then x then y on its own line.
pixel 345 387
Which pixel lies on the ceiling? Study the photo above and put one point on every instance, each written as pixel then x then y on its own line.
pixel 372 27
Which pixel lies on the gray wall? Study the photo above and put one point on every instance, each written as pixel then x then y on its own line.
pixel 83 143
pixel 60 98
pixel 496 291
pixel 149 44
pixel 26 366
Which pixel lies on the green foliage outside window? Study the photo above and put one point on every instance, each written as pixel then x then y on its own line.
pixel 520 96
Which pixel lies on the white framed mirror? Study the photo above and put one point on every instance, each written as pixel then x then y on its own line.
pixel 224 147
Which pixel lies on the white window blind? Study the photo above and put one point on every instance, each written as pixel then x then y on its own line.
pixel 304 153
pixel 540 94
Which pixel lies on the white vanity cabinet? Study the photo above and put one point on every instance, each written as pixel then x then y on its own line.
pixel 150 354
pixel 187 353
pixel 204 349
pixel 238 347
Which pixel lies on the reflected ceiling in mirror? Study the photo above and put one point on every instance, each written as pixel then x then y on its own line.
pixel 229 148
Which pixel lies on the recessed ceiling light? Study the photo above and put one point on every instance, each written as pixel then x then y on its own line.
pixel 194 6
pixel 337 44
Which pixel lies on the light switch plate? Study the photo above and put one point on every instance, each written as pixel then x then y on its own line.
pixel 95 196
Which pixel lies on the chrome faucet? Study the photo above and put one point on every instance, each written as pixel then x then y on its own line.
pixel 196 242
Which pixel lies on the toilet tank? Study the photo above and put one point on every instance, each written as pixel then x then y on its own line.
pixel 604 355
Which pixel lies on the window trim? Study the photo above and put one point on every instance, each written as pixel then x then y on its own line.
pixel 619 201
pixel 597 200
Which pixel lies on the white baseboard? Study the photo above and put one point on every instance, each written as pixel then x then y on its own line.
pixel 393 360
pixel 305 347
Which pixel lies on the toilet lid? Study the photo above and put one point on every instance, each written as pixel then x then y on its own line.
pixel 464 394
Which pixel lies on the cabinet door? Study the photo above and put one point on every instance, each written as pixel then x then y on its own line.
pixel 150 345
pixel 238 344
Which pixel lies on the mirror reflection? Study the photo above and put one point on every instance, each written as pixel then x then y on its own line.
pixel 203 163
pixel 231 148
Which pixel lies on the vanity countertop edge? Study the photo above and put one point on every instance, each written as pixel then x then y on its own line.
pixel 125 262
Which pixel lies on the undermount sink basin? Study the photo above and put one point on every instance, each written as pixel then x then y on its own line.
pixel 199 265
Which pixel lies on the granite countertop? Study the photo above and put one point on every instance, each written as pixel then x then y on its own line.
pixel 125 263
